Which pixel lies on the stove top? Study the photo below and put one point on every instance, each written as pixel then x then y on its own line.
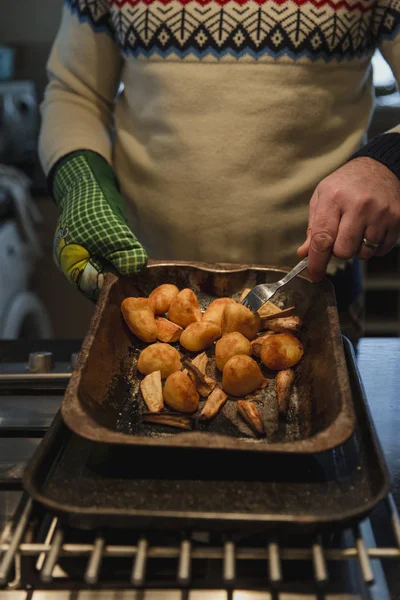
pixel 41 558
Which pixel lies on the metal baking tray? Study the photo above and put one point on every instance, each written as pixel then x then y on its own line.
pixel 91 484
pixel 103 400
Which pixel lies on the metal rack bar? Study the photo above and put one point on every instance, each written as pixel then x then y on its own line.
pixel 139 565
pixel 184 569
pixel 275 568
pixel 93 567
pixel 52 556
pixel 10 552
pixel 319 564
pixel 364 561
pixel 229 562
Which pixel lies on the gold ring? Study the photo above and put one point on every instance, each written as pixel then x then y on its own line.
pixel 371 245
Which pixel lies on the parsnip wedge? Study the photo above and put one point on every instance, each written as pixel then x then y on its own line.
pixel 250 414
pixel 215 402
pixel 151 389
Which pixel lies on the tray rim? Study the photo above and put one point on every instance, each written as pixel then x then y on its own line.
pixel 83 424
pixel 352 516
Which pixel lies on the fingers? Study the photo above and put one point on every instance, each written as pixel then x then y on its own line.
pixel 389 241
pixel 349 236
pixel 128 260
pixel 322 239
pixel 374 235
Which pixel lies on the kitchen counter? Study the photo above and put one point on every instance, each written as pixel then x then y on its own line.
pixel 379 364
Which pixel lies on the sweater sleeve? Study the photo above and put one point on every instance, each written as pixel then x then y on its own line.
pixel 84 71
pixel 385 148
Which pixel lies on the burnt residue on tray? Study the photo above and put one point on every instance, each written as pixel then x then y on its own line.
pixel 103 400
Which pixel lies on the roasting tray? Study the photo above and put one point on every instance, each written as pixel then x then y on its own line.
pixel 103 401
pixel 91 484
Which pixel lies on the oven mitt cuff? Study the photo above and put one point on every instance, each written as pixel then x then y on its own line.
pixel 92 234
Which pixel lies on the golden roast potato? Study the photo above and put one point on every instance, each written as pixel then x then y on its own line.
pixel 241 376
pixel 199 336
pixel 159 357
pixel 237 317
pixel 281 351
pixel 180 393
pixel 139 317
pixel 167 331
pixel 231 344
pixel 215 310
pixel 160 299
pixel 257 343
pixel 184 308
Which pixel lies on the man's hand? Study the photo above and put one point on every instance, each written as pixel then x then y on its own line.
pixel 92 235
pixel 361 200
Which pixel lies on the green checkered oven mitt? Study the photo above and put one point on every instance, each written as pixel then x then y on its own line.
pixel 92 234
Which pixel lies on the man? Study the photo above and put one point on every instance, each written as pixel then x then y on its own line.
pixel 239 127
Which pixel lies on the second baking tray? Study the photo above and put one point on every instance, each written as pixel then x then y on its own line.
pixel 103 400
pixel 91 485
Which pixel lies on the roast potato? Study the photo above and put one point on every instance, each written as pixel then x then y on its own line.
pixel 241 376
pixel 199 336
pixel 180 393
pixel 159 357
pixel 237 317
pixel 231 344
pixel 281 351
pixel 184 308
pixel 256 344
pixel 139 317
pixel 167 331
pixel 215 310
pixel 160 299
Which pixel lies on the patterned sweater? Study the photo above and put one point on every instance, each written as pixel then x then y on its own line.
pixel 230 112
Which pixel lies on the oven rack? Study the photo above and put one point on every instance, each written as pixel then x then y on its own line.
pixel 14 546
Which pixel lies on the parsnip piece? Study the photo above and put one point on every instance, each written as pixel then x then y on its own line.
pixel 286 312
pixel 160 299
pixel 173 420
pixel 215 402
pixel 244 294
pixel 241 376
pixel 204 385
pixel 180 393
pixel 201 362
pixel 167 331
pixel 215 310
pixel 231 344
pixel 256 344
pixel 199 336
pixel 284 325
pixel 237 317
pixel 283 384
pixel 269 308
pixel 159 357
pixel 185 308
pixel 250 414
pixel 151 389
pixel 139 317
pixel 281 351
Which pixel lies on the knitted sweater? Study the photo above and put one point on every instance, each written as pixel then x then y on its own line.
pixel 231 112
